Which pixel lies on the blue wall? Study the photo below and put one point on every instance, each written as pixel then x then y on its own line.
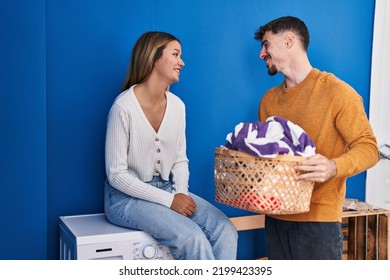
pixel 63 62
pixel 23 198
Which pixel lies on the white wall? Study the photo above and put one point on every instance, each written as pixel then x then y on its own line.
pixel 378 177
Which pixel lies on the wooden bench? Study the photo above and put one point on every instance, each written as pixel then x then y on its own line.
pixel 249 222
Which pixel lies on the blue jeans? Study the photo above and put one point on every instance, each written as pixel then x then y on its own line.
pixel 303 240
pixel 207 235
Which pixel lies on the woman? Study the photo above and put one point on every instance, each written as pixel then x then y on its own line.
pixel 146 161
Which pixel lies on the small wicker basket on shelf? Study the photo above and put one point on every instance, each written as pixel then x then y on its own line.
pixel 260 185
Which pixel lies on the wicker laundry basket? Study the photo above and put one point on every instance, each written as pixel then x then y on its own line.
pixel 260 185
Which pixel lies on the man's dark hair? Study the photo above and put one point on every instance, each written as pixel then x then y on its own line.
pixel 287 23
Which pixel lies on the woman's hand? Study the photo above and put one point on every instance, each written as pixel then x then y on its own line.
pixel 317 169
pixel 183 204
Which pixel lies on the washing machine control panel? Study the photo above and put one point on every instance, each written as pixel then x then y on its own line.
pixel 151 250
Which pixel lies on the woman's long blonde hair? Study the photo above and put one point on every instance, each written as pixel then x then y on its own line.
pixel 146 51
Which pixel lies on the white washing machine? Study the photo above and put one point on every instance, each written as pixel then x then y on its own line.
pixel 89 237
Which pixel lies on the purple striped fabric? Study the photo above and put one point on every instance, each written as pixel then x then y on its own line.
pixel 274 137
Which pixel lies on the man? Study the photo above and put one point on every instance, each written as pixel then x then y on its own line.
pixel 332 113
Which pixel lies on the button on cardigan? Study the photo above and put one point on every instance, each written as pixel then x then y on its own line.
pixel 135 152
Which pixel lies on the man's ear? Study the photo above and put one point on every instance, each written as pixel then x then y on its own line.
pixel 289 39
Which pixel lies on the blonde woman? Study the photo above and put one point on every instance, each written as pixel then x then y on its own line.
pixel 146 161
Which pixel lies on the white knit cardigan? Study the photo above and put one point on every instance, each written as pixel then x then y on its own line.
pixel 135 152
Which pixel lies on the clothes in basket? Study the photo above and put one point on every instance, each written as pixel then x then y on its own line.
pixel 277 136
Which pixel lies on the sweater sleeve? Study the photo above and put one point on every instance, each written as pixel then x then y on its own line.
pixel 180 170
pixel 116 153
pixel 361 147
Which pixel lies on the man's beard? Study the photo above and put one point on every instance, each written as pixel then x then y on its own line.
pixel 272 70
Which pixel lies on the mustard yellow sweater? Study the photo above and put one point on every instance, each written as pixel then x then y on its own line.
pixel 332 113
